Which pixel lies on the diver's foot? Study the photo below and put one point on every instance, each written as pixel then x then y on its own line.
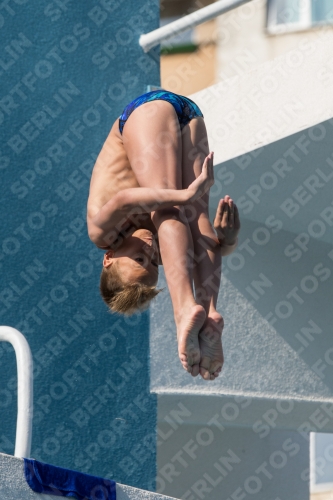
pixel 211 346
pixel 188 327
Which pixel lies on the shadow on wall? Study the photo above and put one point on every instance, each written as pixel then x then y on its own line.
pixel 276 291
pixel 283 266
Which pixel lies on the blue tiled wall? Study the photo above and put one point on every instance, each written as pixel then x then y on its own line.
pixel 67 70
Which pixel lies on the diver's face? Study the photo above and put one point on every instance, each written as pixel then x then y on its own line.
pixel 137 258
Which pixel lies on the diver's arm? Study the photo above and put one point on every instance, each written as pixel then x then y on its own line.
pixel 104 226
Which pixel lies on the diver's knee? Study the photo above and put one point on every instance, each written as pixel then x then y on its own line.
pixel 172 213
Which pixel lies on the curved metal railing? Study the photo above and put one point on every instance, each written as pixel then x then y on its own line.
pixel 24 389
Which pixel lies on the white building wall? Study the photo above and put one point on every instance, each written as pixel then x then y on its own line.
pixel 244 42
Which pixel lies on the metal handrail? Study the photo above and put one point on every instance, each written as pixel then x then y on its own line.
pixel 149 40
pixel 24 389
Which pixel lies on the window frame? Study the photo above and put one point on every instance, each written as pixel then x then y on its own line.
pixel 314 486
pixel 305 22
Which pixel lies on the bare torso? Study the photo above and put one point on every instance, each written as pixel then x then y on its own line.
pixel 113 173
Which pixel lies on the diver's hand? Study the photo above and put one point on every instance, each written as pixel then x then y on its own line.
pixel 204 181
pixel 227 223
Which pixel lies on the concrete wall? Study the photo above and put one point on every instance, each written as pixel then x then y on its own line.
pixel 273 155
pixel 276 290
pixel 13 485
pixel 67 70
pixel 219 461
pixel 276 285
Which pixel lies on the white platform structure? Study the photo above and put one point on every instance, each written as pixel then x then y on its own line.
pixel 247 433
pixel 24 364
pixel 13 485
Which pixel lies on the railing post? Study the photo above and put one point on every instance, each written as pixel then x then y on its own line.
pixel 24 389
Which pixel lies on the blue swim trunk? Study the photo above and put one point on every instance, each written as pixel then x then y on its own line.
pixel 185 108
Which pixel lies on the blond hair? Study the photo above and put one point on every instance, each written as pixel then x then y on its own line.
pixel 125 298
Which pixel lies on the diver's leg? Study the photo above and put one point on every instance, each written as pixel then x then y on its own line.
pixel 207 251
pixel 153 144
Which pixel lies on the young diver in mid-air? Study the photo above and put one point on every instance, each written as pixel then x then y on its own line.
pixel 147 206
